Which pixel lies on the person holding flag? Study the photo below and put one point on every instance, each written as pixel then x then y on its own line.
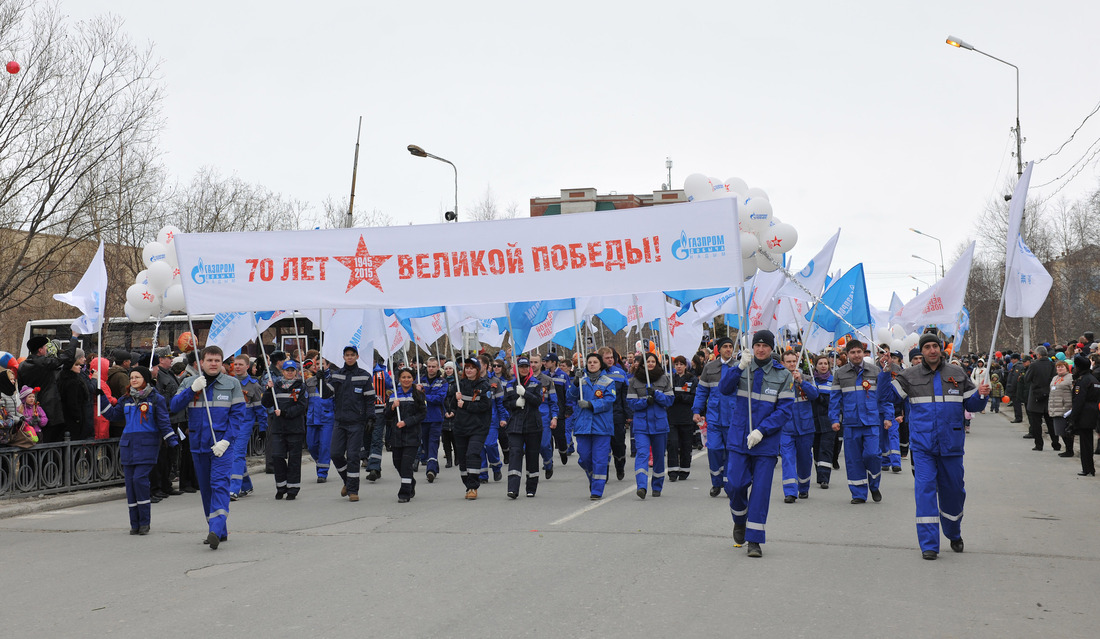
pixel 763 395
pixel 937 393
pixel 713 409
pixel 857 399
pixel 649 395
pixel 796 441
pixel 594 393
pixel 473 411
pixel 522 402
pixel 353 405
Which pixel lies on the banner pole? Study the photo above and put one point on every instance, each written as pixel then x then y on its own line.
pixel 267 360
pixel 389 362
pixel 638 321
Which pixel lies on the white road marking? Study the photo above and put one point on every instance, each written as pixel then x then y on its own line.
pixel 597 504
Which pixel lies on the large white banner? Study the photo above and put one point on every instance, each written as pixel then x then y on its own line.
pixel 552 257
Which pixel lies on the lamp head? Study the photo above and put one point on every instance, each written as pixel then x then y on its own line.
pixel 958 43
pixel 417 151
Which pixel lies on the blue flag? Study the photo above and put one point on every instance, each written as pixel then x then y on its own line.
pixel 525 315
pixel 691 296
pixel 406 314
pixel 848 297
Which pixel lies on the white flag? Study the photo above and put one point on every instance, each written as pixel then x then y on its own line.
pixel 1016 215
pixel 941 302
pixel 231 331
pixel 343 327
pixel 88 296
pixel 812 276
pixel 684 332
pixel 1028 283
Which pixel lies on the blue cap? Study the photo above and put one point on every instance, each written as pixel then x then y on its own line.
pixel 290 364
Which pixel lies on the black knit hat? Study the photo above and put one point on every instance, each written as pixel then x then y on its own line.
pixel 144 372
pixel 929 338
pixel 764 337
pixel 36 342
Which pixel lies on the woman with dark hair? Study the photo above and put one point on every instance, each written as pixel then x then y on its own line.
pixel 146 418
pixel 680 425
pixel 473 410
pixel 594 393
pixel 522 398
pixel 404 415
pixel 649 395
pixel 1084 415
pixel 824 437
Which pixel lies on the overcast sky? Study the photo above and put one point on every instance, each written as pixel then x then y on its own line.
pixel 849 114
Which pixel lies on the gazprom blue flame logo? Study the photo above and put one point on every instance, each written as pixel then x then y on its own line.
pixel 808 270
pixel 197 274
pixel 698 246
pixel 679 247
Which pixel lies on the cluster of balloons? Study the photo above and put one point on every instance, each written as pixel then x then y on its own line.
pixel 156 290
pixel 759 227
pixel 897 338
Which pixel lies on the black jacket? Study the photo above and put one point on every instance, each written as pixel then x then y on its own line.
pixel 1037 379
pixel 293 404
pixel 414 408
pixel 527 419
pixel 477 407
pixel 353 398
pixel 683 389
pixel 42 372
pixel 75 404
pixel 1085 413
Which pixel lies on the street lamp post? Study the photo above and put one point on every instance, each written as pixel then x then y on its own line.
pixel 942 271
pixel 956 42
pixel 930 262
pixel 450 216
pixel 920 280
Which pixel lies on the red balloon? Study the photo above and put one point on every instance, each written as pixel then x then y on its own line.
pixel 1006 400
pixel 13 67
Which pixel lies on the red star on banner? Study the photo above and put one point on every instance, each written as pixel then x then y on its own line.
pixel 774 242
pixel 363 266
pixel 672 324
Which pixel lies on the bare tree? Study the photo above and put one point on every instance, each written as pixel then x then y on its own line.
pixel 211 203
pixel 334 215
pixel 85 92
pixel 487 209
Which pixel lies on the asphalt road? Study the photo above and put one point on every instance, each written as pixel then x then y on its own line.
pixel 559 565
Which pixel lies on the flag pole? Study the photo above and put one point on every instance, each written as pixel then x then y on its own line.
pixel 745 341
pixel 450 344
pixel 638 321
pixel 267 360
pixel 389 361
pixel 321 355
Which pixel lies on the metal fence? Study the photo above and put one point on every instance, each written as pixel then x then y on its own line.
pixel 62 467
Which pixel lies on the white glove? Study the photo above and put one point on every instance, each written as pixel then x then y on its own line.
pixel 198 384
pixel 223 444
pixel 520 390
pixel 520 403
pixel 754 438
pixel 746 359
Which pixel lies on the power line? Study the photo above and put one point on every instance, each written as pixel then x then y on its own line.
pixel 1078 172
pixel 1059 149
pixel 1073 166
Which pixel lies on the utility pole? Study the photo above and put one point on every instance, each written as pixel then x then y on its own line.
pixel 354 168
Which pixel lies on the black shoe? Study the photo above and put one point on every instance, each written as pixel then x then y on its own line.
pixel 449 464
pixel 895 469
pixel 173 492
pixel 715 490
pixel 876 495
pixel 1056 446
pixel 836 465
pixel 595 497
pixel 402 500
pixel 497 476
pixel 416 465
pixel 673 477
pixel 789 499
pixel 280 493
pixel 564 458
pixel 374 475
pixel 824 485
pixel 803 495
pixel 857 500
pixel 739 534
pixel 530 495
pixel 190 489
pixel 212 540
pixel 143 530
pixel 1068 453
pixel 154 499
pixel 754 550
pixel 161 494
pixel 1029 437
pixel 620 473
pixel 640 493
pixel 1016 421
pixel 930 554
pixel 957 544
pixel 133 531
pixel 512 495
pixel 291 495
pixel 1084 474
pixel 321 480
pixel 431 477
pixel 549 472
pixel 1037 448
pixel 684 475
pixel 656 493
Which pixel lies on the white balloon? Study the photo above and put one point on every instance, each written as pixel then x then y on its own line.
pixel 748 245
pixel 764 264
pixel 173 298
pixel 882 335
pixel 140 297
pixel 755 192
pixel 737 185
pixel 749 266
pixel 697 187
pixel 898 332
pixel 134 314
pixel 758 213
pixel 142 277
pixel 717 188
pixel 783 238
pixel 899 346
pixel 170 256
pixel 160 276
pixel 153 252
pixel 167 236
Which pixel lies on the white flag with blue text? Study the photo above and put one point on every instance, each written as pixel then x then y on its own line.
pixel 88 296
